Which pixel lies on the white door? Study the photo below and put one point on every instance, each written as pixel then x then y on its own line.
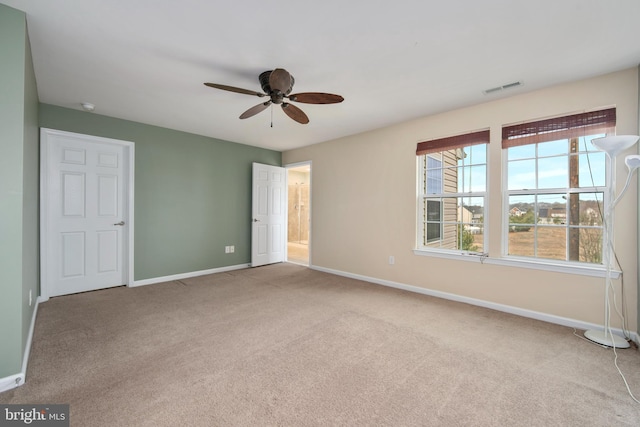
pixel 268 221
pixel 85 219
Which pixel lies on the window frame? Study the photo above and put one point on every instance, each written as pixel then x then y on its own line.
pixel 597 122
pixel 464 141
pixel 584 126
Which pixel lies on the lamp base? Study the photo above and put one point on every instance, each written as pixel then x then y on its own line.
pixel 606 339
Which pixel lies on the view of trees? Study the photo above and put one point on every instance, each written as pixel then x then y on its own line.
pixel 527 218
pixel 467 240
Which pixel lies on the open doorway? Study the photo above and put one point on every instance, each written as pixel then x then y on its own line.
pixel 299 213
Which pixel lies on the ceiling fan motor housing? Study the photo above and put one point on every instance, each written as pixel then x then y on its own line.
pixel 276 97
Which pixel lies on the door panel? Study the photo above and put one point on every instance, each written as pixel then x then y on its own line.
pixel 267 239
pixel 108 251
pixel 73 194
pixel 108 195
pixel 73 254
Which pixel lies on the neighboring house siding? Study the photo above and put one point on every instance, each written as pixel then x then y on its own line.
pixel 449 205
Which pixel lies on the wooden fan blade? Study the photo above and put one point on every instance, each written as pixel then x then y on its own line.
pixel 280 80
pixel 234 89
pixel 255 110
pixel 316 98
pixel 295 113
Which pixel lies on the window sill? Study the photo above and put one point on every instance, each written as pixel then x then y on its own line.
pixel 569 268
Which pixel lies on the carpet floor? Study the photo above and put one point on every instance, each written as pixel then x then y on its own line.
pixel 284 345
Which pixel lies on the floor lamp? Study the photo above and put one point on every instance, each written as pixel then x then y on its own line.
pixel 612 146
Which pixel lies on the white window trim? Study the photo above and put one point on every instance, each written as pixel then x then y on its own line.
pixel 534 264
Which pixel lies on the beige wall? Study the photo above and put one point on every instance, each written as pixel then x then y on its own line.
pixel 364 204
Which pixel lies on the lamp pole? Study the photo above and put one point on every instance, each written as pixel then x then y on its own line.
pixel 612 146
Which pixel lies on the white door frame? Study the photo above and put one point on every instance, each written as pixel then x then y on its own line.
pixel 292 166
pixel 129 165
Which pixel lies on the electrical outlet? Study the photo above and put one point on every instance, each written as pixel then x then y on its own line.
pixel 392 260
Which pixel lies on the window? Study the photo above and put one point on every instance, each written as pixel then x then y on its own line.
pixel 451 193
pixel 554 198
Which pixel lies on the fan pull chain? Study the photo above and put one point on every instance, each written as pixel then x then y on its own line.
pixel 271 115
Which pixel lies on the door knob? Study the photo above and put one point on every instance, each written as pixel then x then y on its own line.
pixel 119 223
pixel 256 220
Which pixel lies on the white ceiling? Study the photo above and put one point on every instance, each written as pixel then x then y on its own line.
pixel 147 60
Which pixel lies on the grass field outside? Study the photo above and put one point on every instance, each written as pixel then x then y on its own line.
pixel 552 243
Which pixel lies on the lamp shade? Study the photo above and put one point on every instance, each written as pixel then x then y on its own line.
pixel 615 144
pixel 632 161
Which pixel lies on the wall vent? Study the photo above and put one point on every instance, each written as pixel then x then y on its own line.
pixel 503 87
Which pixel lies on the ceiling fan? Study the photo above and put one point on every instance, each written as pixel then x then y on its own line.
pixel 277 85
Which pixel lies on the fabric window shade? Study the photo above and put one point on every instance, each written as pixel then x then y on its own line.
pixel 594 122
pixel 452 142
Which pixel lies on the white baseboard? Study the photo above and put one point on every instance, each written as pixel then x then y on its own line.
pixel 545 317
pixel 188 275
pixel 16 380
pixel 11 382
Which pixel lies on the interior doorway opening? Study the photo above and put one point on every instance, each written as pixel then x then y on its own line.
pixel 299 213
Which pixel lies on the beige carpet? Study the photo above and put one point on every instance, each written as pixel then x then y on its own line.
pixel 288 346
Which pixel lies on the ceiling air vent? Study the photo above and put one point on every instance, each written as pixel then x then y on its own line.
pixel 503 87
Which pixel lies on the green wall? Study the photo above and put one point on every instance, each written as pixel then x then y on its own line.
pixel 192 193
pixel 31 197
pixel 19 273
